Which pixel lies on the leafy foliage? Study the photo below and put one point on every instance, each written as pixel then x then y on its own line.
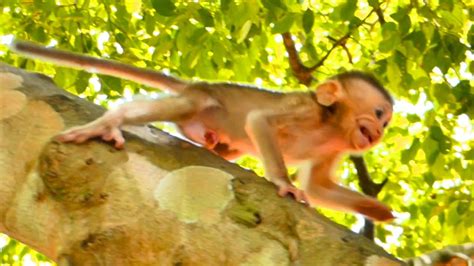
pixel 421 50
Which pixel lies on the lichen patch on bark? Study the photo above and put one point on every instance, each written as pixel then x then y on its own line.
pixel 10 81
pixel 145 172
pixel 11 102
pixel 23 136
pixel 270 254
pixel 195 193
pixel 308 230
pixel 375 260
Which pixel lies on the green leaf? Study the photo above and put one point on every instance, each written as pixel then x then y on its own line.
pixel 149 23
pixel 429 178
pixel 374 3
pixel 463 206
pixel 453 215
pixel 133 6
pixel 450 20
pixel 393 74
pixel 164 7
pixel 389 29
pixel 284 24
pixel 456 49
pixel 273 5
pixel 444 142
pixel 418 39
pixel 348 8
pixel 206 17
pixel 82 81
pixel 469 155
pixel 244 31
pixel 225 4
pixel 431 149
pixel 403 18
pixel 446 5
pixel 308 20
pixel 470 36
pixel 111 84
pixel 412 118
pixel 429 61
pixel 408 155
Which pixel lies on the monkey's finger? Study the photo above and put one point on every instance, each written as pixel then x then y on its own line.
pixel 67 137
pixel 108 136
pixel 300 196
pixel 82 138
pixel 282 191
pixel 118 137
pixel 296 193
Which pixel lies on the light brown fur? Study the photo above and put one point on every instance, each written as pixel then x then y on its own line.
pixel 232 119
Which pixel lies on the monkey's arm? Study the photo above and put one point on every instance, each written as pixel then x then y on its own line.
pixel 322 191
pixel 108 126
pixel 262 134
pixel 97 65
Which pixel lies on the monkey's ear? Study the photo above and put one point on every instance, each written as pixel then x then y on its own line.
pixel 329 92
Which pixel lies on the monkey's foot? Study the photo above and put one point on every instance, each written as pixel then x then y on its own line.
pixel 374 210
pixel 296 193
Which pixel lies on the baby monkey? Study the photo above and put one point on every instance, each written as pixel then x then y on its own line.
pixel 346 114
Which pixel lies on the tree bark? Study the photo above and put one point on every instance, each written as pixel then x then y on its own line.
pixel 159 201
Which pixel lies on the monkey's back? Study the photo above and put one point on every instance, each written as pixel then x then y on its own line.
pixel 226 108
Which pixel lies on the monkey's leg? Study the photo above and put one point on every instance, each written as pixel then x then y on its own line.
pixel 108 126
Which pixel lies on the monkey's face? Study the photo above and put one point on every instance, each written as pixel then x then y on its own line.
pixel 368 113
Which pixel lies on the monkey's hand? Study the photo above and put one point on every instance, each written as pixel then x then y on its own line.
pixel 373 209
pixel 107 127
pixel 297 194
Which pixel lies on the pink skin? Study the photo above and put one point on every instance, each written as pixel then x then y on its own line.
pixel 367 135
pixel 298 194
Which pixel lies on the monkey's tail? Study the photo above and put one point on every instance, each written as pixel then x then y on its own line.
pixel 91 64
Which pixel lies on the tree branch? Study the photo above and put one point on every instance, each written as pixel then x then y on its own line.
pixel 304 73
pixel 301 72
pixel 369 188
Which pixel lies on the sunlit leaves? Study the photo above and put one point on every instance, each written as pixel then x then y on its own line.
pixel 164 7
pixel 409 154
pixel 133 5
pixel 347 9
pixel 244 31
pixel 422 49
pixel 284 24
pixel 206 17
pixel 308 20
pixel 391 37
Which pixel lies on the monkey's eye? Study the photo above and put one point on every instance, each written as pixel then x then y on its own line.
pixel 379 113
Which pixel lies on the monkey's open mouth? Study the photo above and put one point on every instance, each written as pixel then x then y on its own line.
pixel 366 133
